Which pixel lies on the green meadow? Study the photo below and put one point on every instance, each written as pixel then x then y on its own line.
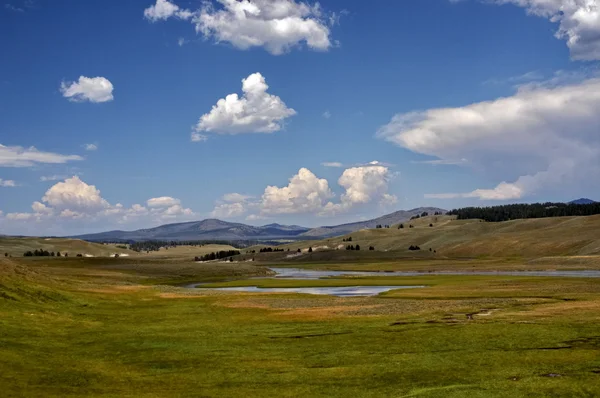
pixel 114 328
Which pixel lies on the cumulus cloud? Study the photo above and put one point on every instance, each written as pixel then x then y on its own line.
pixel 163 9
pixel 92 89
pixel 233 205
pixel 16 156
pixel 541 137
pixel 163 201
pixel 7 183
pixel 579 23
pixel 363 184
pixel 306 193
pixel 73 199
pixel 90 147
pixel 275 25
pixel 255 112
pixel 74 194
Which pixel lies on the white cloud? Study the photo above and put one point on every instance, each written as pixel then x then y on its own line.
pixel 74 200
pixel 54 177
pixel 363 184
pixel 305 193
pixel 7 183
pixel 276 25
pixel 327 114
pixel 504 191
pixel 541 137
pixel 197 137
pixel 19 216
pixel 255 112
pixel 181 41
pixel 332 164
pixel 16 156
pixel 579 23
pixel 90 147
pixel 92 89
pixel 229 210
pixel 74 194
pixel 163 201
pixel 232 205
pixel 235 197
pixel 175 211
pixel 163 9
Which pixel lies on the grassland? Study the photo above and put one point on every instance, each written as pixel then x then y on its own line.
pixel 107 328
pixel 535 243
pixel 15 247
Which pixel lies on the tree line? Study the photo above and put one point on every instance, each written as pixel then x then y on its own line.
pixel 217 255
pixel 43 253
pixel 520 211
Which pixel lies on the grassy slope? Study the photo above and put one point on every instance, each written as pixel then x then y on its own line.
pixel 83 330
pixel 534 238
pixel 17 246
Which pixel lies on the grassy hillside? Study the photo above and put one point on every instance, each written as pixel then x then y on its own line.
pixel 532 238
pixel 17 246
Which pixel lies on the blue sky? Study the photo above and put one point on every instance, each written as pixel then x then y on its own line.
pixel 419 103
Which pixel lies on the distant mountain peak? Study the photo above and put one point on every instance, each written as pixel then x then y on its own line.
pixel 582 201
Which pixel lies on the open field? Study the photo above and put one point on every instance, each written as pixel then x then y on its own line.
pixel 102 327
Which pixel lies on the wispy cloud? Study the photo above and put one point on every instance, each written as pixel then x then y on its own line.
pixel 516 80
pixel 90 147
pixel 441 162
pixel 332 164
pixel 13 8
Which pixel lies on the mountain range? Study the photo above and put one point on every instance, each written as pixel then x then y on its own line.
pixel 212 229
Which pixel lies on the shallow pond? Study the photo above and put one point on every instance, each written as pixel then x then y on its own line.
pixel 346 291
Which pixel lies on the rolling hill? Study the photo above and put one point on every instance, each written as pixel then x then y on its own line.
pixel 17 246
pixel 213 229
pixel 449 237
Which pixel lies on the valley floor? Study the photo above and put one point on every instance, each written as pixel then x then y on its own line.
pixel 92 327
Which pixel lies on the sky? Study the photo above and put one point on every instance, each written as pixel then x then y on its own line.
pixel 126 115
